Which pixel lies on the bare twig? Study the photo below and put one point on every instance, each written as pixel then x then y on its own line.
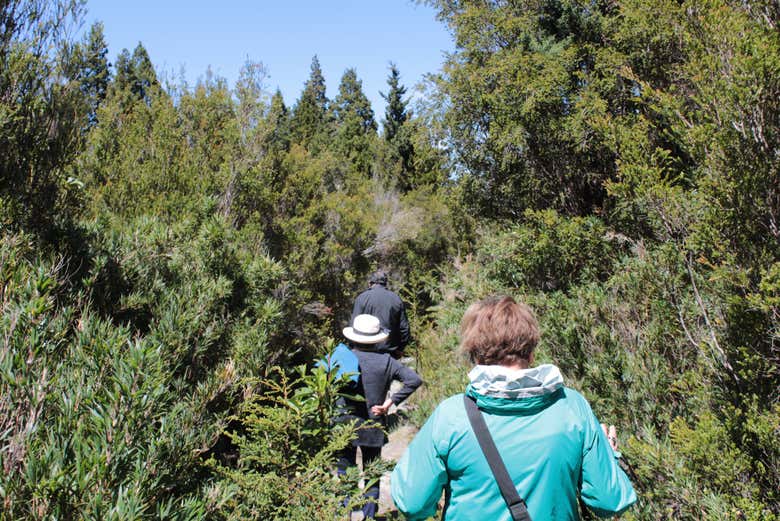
pixel 723 357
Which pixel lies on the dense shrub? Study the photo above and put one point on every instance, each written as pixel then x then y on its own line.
pixel 168 255
pixel 287 446
pixel 548 252
pixel 115 383
pixel 92 422
pixel 696 434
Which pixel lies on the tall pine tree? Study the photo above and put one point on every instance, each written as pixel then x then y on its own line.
pixel 95 74
pixel 395 132
pixel 277 139
pixel 355 122
pixel 135 77
pixel 395 112
pixel 310 115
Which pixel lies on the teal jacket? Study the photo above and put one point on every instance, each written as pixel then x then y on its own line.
pixel 547 435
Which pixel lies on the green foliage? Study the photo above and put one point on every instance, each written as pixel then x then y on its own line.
pixel 523 88
pixel 251 100
pixel 396 131
pixel 652 355
pixel 136 157
pixel 396 112
pixel 660 120
pixel 135 78
pixel 354 117
pixel 42 114
pixel 95 76
pixel 287 448
pixel 310 121
pixel 190 286
pixel 209 123
pixel 549 252
pixel 409 156
pixel 109 421
pixel 629 150
pixel 92 424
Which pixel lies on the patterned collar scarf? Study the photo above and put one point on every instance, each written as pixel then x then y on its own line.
pixel 502 382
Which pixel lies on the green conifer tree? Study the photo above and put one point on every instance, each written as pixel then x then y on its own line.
pixel 278 137
pixel 395 132
pixel 395 112
pixel 355 122
pixel 95 75
pixel 124 71
pixel 135 77
pixel 310 115
pixel 144 76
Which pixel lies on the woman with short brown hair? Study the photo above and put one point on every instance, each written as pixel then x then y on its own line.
pixel 550 442
pixel 499 331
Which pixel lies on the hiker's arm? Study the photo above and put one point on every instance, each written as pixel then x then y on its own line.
pixel 418 479
pixel 605 487
pixel 406 376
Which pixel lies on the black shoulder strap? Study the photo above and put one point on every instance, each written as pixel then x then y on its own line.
pixel 515 503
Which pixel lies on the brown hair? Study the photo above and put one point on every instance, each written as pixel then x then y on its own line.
pixel 499 331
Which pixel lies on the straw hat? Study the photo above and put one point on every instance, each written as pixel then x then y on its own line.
pixel 366 329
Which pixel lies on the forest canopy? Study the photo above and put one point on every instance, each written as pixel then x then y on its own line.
pixel 173 258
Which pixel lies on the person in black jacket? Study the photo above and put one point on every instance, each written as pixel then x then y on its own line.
pixel 377 372
pixel 388 307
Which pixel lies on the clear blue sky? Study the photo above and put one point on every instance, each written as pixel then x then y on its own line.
pixel 282 34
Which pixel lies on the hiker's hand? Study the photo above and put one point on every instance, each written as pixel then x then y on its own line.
pixel 381 410
pixel 611 435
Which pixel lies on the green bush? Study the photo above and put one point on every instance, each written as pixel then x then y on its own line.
pixel 92 423
pixel 549 252
pixel 287 445
pixel 698 443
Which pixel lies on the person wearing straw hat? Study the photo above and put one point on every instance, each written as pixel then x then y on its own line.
pixel 377 371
